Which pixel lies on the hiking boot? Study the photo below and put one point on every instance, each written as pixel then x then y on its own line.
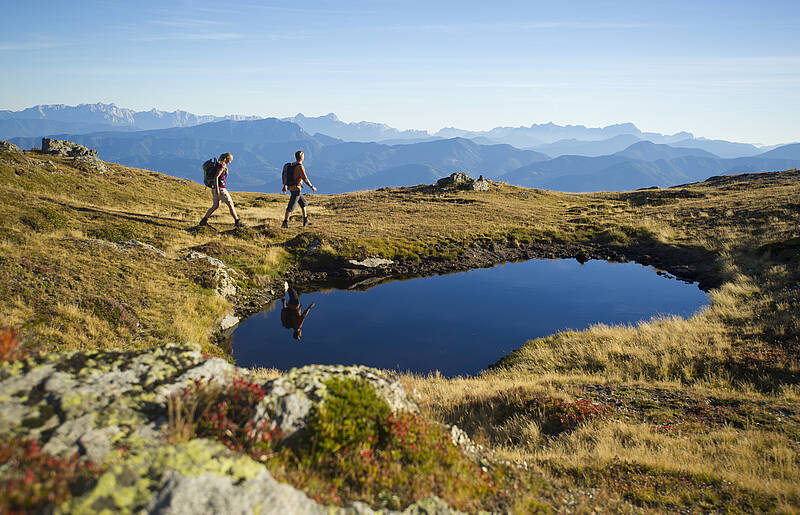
pixel 285 224
pixel 239 223
pixel 306 222
pixel 203 222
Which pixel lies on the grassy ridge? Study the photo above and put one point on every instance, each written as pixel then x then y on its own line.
pixel 701 413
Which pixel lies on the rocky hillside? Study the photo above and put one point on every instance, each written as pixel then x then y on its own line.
pixel 107 401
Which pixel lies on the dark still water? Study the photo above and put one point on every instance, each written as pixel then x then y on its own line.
pixel 458 323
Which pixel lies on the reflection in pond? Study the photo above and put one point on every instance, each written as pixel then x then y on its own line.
pixel 290 313
pixel 457 323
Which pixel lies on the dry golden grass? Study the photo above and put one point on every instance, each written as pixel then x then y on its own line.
pixel 65 287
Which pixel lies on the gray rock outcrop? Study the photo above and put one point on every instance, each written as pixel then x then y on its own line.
pixel 7 146
pixel 221 277
pixel 462 181
pixel 480 184
pixel 454 179
pixel 292 396
pixel 96 403
pixel 64 148
pixel 92 162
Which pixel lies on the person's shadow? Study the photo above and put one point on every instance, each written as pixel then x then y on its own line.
pixel 291 315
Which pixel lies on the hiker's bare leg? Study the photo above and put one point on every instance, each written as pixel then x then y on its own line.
pixel 232 210
pixel 213 208
pixel 303 209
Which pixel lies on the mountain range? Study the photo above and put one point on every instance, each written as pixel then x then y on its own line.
pixel 613 158
pixel 42 120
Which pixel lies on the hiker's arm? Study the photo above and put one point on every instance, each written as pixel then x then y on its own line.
pixel 284 301
pixel 304 177
pixel 305 313
pixel 216 179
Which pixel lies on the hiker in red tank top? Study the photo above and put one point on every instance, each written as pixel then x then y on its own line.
pixel 297 197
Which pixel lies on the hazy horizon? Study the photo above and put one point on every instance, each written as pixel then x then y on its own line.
pixel 720 70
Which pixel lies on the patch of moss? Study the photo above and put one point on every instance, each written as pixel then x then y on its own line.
pixel 43 219
pixel 114 232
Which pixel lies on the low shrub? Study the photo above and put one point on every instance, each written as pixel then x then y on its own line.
pixel 10 348
pixel 353 449
pixel 553 416
pixel 34 480
pixel 208 410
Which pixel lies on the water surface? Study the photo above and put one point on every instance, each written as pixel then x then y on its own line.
pixel 459 323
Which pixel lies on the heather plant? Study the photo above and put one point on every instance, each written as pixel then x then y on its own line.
pixel 10 348
pixel 354 446
pixel 361 450
pixel 208 410
pixel 490 415
pixel 32 480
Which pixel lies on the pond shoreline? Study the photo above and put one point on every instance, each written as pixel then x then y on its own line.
pixel 684 263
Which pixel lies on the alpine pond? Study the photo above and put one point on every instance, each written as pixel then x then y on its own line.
pixel 459 323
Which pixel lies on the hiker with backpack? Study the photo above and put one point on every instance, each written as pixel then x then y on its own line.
pixel 215 172
pixel 294 174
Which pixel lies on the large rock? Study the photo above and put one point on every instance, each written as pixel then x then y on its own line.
pixel 93 403
pixel 203 476
pixel 92 162
pixel 462 181
pixel 76 401
pixel 292 396
pixel 7 146
pixel 64 148
pixel 480 184
pixel 454 179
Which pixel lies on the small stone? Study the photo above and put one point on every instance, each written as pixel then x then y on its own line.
pixel 313 247
pixel 191 256
pixel 372 262
pixel 228 322
pixel 144 246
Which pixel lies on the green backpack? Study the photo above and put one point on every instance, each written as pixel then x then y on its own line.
pixel 210 169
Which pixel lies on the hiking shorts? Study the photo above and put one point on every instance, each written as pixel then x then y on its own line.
pixel 296 198
pixel 223 196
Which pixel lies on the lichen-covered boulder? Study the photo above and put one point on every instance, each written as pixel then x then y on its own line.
pixel 99 402
pixel 200 476
pixel 91 402
pixel 203 476
pixel 290 398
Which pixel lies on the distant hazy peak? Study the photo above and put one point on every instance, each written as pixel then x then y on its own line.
pixel 115 116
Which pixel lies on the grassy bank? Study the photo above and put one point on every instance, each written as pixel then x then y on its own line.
pixel 700 413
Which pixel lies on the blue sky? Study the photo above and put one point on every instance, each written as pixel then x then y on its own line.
pixel 719 69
